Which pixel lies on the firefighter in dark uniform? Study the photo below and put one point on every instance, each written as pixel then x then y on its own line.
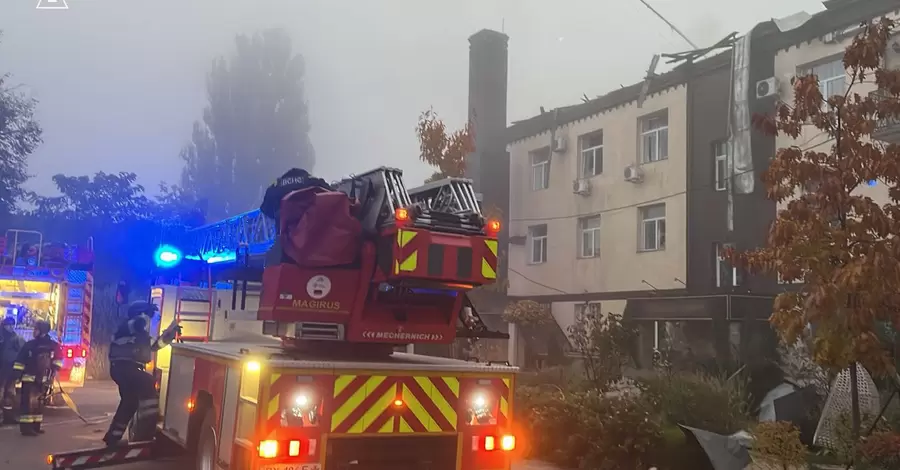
pixel 10 345
pixel 38 362
pixel 293 180
pixel 131 349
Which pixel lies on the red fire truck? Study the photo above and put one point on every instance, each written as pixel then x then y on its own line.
pixel 41 280
pixel 287 365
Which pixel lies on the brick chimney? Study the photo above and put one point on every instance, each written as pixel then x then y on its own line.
pixel 488 166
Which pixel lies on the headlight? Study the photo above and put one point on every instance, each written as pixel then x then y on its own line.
pixel 301 400
pixel 479 401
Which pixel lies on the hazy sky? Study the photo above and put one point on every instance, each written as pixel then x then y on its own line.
pixel 121 81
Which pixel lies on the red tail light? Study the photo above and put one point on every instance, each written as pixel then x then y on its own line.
pixel 271 449
pixel 70 353
pixel 84 353
pixel 506 443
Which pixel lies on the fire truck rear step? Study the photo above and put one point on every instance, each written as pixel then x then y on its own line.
pixel 105 456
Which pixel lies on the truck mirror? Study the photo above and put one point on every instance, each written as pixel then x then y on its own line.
pixel 122 293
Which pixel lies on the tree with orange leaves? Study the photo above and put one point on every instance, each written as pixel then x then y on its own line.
pixel 445 151
pixel 842 245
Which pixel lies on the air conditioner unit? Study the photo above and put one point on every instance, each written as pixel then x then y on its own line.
pixel 559 144
pixel 634 174
pixel 768 87
pixel 581 186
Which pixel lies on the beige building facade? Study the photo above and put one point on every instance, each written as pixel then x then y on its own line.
pixel 585 226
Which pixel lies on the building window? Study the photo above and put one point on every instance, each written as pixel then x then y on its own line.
pixel 591 154
pixel 654 138
pixel 726 273
pixel 540 169
pixel 653 227
pixel 586 311
pixel 720 152
pixel 537 240
pixel 589 229
pixel 832 77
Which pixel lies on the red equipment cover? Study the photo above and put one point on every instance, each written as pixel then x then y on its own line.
pixel 319 228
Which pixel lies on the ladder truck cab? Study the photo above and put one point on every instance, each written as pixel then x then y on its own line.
pixel 41 280
pixel 291 330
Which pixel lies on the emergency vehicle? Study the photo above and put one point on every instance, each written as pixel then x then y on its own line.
pixel 287 366
pixel 40 280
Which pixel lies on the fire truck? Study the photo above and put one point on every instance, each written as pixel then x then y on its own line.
pixel 297 350
pixel 42 280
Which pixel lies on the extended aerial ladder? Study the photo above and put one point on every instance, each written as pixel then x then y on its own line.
pixel 445 214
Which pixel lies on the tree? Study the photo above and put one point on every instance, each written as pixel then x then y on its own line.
pixel 255 127
pixel 604 344
pixel 113 197
pixel 843 245
pixel 446 152
pixel 20 134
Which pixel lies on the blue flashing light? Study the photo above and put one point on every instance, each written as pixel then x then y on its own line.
pixel 872 182
pixel 167 256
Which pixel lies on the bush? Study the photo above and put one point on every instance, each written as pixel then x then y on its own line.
pixel 881 449
pixel 777 446
pixel 701 401
pixel 588 429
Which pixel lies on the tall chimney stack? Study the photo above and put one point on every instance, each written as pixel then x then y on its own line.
pixel 488 165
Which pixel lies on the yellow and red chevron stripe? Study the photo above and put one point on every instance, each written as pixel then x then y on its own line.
pixel 407 257
pixel 489 260
pixel 365 404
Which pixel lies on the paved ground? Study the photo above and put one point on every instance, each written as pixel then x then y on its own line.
pixel 65 432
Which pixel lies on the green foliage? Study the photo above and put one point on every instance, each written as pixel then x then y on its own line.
pixel 703 401
pixel 20 134
pixel 588 429
pixel 108 197
pixel 255 127
pixel 604 344
pixel 777 445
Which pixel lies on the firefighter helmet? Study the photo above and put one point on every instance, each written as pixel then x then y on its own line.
pixel 142 307
pixel 42 327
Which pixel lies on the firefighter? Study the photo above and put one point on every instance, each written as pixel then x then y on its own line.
pixel 10 345
pixel 131 349
pixel 35 367
pixel 293 180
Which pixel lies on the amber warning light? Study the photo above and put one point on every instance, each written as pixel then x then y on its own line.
pixel 492 227
pixel 401 215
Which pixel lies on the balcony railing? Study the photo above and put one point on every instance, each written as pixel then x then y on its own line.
pixel 887 129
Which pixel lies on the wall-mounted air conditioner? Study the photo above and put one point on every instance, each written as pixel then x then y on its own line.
pixel 634 174
pixel 559 144
pixel 581 186
pixel 768 87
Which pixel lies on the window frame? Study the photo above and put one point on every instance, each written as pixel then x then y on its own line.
pixel 593 151
pixel 595 236
pixel 656 132
pixel 584 309
pixel 544 166
pixel 836 61
pixel 721 263
pixel 720 157
pixel 660 243
pixel 542 239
